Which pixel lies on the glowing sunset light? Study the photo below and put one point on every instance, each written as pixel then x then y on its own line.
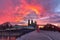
pixel 43 11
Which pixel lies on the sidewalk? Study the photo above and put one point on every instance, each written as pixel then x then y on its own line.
pixel 42 35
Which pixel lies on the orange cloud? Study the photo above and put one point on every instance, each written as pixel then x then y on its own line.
pixel 17 13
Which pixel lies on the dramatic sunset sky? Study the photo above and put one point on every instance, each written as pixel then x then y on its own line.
pixel 19 11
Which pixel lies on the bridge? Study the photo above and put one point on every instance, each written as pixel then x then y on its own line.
pixel 14 33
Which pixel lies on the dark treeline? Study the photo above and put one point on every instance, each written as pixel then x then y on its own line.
pixel 5 26
pixel 50 27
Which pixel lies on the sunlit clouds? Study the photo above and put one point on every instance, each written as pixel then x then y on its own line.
pixel 18 11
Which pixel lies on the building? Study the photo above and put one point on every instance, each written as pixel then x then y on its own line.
pixel 29 23
pixel 32 23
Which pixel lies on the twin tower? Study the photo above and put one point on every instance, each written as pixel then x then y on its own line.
pixel 32 23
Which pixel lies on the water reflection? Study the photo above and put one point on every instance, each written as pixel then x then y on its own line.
pixel 8 38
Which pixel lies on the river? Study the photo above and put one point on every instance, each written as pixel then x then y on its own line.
pixel 7 38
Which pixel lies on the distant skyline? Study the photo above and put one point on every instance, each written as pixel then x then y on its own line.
pixel 19 11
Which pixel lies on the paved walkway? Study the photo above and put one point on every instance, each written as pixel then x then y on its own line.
pixel 42 35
